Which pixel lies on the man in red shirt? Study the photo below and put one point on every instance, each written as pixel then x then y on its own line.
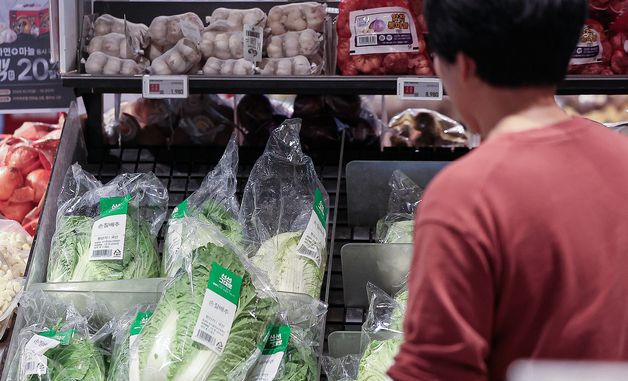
pixel 521 247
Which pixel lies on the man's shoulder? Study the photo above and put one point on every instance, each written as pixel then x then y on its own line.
pixel 457 193
pixel 469 172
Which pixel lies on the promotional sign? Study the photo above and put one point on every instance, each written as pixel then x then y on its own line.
pixel 28 81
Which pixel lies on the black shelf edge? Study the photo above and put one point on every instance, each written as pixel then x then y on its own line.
pixel 313 85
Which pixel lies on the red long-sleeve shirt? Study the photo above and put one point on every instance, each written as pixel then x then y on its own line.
pixel 521 251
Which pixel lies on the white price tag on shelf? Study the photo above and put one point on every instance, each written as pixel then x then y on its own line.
pixel 420 89
pixel 164 86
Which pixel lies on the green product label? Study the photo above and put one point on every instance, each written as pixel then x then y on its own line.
pixel 320 208
pixel 62 337
pixel 114 205
pixel 140 321
pixel 262 343
pixel 225 283
pixel 180 210
pixel 278 340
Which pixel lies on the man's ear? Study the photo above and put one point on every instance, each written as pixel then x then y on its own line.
pixel 466 67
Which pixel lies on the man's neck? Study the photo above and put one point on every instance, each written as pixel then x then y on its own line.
pixel 511 111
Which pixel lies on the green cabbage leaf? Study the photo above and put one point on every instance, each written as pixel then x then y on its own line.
pixel 70 242
pixel 69 260
pixel 400 232
pixel 288 271
pixel 300 363
pixel 166 349
pixel 80 360
pixel 184 235
pixel 377 359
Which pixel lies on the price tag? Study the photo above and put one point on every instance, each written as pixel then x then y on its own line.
pixel 420 89
pixel 312 242
pixel 253 42
pixel 217 314
pixel 165 86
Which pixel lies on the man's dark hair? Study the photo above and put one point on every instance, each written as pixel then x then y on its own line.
pixel 514 43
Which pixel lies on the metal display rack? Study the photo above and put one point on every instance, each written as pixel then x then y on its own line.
pixel 92 87
pixel 345 174
pixel 311 85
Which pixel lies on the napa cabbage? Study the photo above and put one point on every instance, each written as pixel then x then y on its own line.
pixel 300 363
pixel 81 360
pixel 166 349
pixel 381 350
pixel 288 271
pixel 70 258
pixel 400 232
pixel 77 360
pixel 126 329
pixel 70 242
pixel 213 203
pixel 399 311
pixel 182 239
pixel 377 359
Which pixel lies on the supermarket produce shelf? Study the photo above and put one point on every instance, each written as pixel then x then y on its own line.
pixel 181 170
pixel 312 85
pixel 355 240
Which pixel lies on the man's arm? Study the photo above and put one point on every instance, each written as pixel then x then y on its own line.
pixel 450 309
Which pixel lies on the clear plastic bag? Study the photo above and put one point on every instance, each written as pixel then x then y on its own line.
pixel 15 245
pixel 216 66
pixel 222 45
pixel 55 343
pixel 341 369
pixel 386 313
pixel 308 43
pixel 183 58
pixel 183 340
pixel 398 224
pixel 382 336
pixel 291 351
pixel 113 45
pixel 284 214
pixel 417 127
pixel 213 203
pixel 166 31
pixel 107 232
pixel 102 63
pixel 361 23
pixel 232 20
pixel 296 17
pixel 382 333
pixel 15 248
pixel 297 65
pixel 115 37
pixel 106 24
pixel 125 334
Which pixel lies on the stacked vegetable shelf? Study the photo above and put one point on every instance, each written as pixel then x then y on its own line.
pixel 356 181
